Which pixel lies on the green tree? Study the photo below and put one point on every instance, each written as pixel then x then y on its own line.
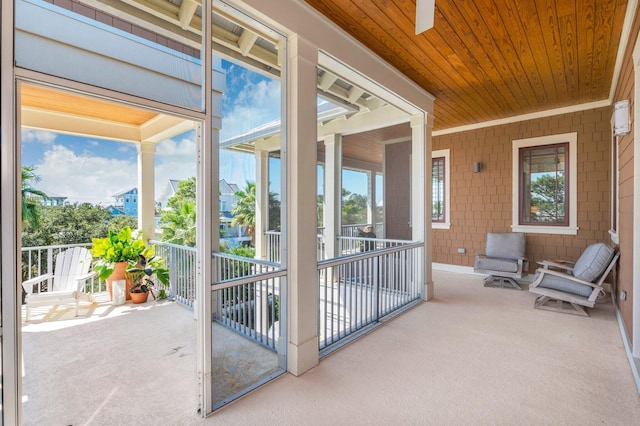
pixel 73 224
pixel 186 192
pixel 179 226
pixel 31 198
pixel 547 198
pixel 244 210
pixel 320 210
pixel 354 208
pixel 274 211
pixel 178 220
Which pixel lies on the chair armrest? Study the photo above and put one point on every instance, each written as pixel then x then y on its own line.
pixel 564 265
pixel 81 280
pixel 566 277
pixel 28 284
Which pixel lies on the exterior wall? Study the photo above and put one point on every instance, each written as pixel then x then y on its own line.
pixel 482 202
pixel 397 179
pixel 625 90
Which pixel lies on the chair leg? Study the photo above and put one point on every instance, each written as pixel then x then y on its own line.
pixel 546 303
pixel 503 282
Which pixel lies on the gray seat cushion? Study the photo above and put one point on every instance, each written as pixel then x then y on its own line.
pixel 507 245
pixel 498 265
pixel 593 262
pixel 565 285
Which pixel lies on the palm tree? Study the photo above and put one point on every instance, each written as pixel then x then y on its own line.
pixel 244 210
pixel 179 224
pixel 30 198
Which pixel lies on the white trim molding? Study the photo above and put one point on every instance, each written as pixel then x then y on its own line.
pixel 447 189
pixel 572 139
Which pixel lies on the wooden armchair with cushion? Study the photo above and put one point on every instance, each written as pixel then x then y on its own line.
pixel 569 288
pixel 504 260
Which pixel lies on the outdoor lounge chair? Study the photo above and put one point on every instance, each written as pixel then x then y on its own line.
pixel 504 260
pixel 68 281
pixel 569 288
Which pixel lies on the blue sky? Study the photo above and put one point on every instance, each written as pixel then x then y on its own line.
pixel 92 170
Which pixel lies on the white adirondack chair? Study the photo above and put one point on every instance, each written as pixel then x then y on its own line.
pixel 69 278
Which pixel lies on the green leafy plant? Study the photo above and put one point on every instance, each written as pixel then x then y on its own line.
pixel 121 246
pixel 147 266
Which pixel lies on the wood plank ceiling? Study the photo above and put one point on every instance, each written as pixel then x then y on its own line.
pixel 491 59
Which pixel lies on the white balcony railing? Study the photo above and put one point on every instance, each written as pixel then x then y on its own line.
pixel 359 289
pixel 373 278
pixel 247 296
pixel 181 262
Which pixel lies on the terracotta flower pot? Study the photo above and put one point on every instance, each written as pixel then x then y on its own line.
pixel 139 297
pixel 119 273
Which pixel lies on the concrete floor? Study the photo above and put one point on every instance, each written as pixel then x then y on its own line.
pixel 473 355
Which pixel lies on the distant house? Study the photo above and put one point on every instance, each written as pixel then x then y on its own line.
pixel 227 194
pixel 52 200
pixel 126 202
pixel 167 192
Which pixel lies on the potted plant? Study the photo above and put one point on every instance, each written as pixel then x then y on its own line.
pixel 148 266
pixel 114 253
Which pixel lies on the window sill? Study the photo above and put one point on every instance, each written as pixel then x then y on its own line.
pixel 440 225
pixel 560 230
pixel 614 236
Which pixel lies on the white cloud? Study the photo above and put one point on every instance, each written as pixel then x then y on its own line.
pixel 174 160
pixel 256 104
pixel 38 136
pixel 84 178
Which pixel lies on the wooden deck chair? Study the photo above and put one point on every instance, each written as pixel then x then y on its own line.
pixel 68 281
pixel 569 288
pixel 504 260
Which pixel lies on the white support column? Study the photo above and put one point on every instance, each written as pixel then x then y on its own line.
pixel 11 347
pixel 146 190
pixel 421 192
pixel 262 202
pixel 371 198
pixel 207 206
pixel 332 193
pixel 302 353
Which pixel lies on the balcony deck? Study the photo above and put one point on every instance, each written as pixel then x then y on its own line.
pixel 474 355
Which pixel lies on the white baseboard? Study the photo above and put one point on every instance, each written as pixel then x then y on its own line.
pixel 469 270
pixel 453 268
pixel 634 363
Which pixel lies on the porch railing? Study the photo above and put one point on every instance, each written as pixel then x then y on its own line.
pixel 40 260
pixel 181 262
pixel 351 245
pixel 247 294
pixel 274 245
pixel 353 230
pixel 358 290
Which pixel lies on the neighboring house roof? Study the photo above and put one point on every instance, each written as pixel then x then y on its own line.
pixel 245 141
pixel 115 210
pixel 120 194
pixel 170 189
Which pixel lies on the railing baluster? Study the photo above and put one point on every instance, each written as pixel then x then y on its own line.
pixel 365 287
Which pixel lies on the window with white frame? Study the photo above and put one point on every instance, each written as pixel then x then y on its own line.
pixel 440 211
pixel 544 184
